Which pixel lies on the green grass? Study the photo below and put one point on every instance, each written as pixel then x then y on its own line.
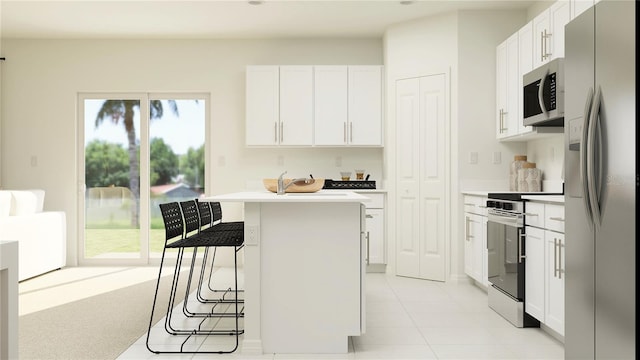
pixel 118 237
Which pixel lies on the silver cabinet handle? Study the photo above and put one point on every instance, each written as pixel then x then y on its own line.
pixel 482 206
pixel 470 204
pixel 555 257
pixel 556 218
pixel 368 216
pixel 466 228
pixel 368 248
pixel 281 132
pixel 520 249
pixel 344 132
pixel 531 214
pixel 350 132
pixel 560 259
pixel 541 46
pixel 546 51
pixel 275 132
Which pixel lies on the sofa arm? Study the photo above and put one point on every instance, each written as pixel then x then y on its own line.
pixel 42 241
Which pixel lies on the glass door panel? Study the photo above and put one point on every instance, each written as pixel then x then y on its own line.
pixel 112 179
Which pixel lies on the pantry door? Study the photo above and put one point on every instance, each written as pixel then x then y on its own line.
pixel 422 176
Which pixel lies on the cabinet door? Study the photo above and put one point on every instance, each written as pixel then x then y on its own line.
pixel 330 108
pixel 365 105
pixel 541 31
pixel 485 253
pixel 478 244
pixel 507 75
pixel 534 285
pixel 296 105
pixel 375 236
pixel 525 64
pixel 262 105
pixel 554 285
pixel 559 16
pixel 468 245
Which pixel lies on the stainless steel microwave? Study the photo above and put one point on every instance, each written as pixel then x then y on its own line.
pixel 543 91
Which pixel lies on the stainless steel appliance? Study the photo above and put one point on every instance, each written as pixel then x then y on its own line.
pixel 505 248
pixel 600 183
pixel 543 95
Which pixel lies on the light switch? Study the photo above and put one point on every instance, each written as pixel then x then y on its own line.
pixel 252 235
pixel 473 157
pixel 497 157
pixel 280 160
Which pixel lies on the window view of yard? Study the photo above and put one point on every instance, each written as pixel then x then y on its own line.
pixel 112 171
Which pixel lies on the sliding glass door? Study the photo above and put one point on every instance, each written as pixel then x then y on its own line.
pixel 137 150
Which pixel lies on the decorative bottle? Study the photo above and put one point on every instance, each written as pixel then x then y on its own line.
pixel 529 178
pixel 516 165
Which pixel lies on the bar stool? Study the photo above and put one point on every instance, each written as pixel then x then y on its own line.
pixel 177 236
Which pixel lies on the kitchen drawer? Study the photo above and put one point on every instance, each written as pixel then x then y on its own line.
pixel 377 200
pixel 475 205
pixel 534 214
pixel 554 217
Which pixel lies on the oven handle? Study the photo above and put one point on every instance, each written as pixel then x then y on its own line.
pixel 504 220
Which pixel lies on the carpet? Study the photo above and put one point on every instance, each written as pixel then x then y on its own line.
pixel 98 327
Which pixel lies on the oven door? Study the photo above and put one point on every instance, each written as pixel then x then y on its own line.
pixel 505 253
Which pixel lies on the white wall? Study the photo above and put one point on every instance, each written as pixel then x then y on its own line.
pixel 43 77
pixel 464 44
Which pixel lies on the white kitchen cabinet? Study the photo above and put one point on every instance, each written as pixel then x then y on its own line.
pixel 365 106
pixel 580 6
pixel 554 281
pixel 330 111
pixel 296 105
pixel 534 286
pixel 507 91
pixel 475 236
pixel 548 29
pixel 545 249
pixel 262 105
pixel 375 233
pixel 279 105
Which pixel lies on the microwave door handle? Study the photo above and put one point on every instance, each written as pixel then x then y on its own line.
pixel 584 149
pixel 540 92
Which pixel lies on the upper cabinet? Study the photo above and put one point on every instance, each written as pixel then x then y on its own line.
pixel 314 106
pixel 548 30
pixel 279 107
pixel 365 105
pixel 507 75
pixel 580 6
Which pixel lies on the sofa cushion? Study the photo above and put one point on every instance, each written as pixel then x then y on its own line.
pixel 25 202
pixel 5 203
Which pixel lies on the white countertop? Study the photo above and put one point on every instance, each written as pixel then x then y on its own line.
pixel 266 196
pixel 545 198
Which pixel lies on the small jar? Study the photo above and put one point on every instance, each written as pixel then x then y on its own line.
pixel 529 178
pixel 516 165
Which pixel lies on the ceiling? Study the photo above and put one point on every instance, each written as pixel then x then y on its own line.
pixel 181 19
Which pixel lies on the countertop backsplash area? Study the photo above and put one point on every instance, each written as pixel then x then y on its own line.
pixel 548 154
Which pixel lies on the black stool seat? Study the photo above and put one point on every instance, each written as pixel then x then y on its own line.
pixel 204 239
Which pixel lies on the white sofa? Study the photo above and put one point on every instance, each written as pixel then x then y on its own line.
pixel 41 235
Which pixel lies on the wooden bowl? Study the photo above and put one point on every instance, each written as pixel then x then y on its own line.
pixel 300 187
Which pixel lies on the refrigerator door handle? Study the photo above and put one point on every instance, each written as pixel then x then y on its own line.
pixel 591 158
pixel 584 149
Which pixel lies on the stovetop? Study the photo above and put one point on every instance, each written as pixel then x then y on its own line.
pixel 517 196
pixel 349 184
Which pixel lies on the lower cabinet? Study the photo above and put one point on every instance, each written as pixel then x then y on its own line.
pixel 475 239
pixel 544 282
pixel 375 233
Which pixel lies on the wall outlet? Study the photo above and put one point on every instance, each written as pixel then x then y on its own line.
pixel 280 160
pixel 252 235
pixel 338 161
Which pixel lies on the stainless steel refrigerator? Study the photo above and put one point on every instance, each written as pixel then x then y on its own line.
pixel 600 183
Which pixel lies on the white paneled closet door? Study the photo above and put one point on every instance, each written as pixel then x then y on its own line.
pixel 422 176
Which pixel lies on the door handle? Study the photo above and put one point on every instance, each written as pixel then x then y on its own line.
pixel 281 132
pixel 584 149
pixel 540 92
pixel 555 257
pixel 275 132
pixel 368 248
pixel 520 248
pixel 559 258
pixel 541 46
pixel 591 158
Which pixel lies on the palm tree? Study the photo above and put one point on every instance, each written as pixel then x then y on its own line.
pixel 121 112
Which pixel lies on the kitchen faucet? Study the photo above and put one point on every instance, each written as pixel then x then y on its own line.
pixel 282 187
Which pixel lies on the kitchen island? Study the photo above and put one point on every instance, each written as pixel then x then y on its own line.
pixel 304 270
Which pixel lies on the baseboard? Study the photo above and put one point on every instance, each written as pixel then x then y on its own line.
pixel 252 347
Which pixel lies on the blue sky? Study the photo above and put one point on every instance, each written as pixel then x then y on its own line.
pixel 180 133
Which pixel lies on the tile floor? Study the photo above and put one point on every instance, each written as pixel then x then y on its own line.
pixel 406 319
